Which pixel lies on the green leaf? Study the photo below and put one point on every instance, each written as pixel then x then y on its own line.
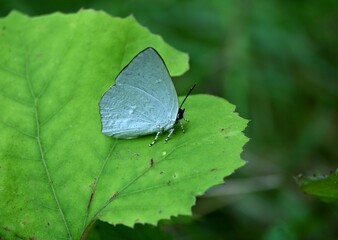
pixel 324 187
pixel 58 173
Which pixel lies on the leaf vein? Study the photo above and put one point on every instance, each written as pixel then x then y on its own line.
pixel 18 130
pixel 17 100
pixel 57 111
pixel 6 69
pixel 39 143
pixel 96 180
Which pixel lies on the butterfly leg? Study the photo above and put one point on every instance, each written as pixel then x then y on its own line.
pixel 169 135
pixel 155 139
pixel 182 126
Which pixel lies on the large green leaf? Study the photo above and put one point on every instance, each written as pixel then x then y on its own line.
pixel 58 173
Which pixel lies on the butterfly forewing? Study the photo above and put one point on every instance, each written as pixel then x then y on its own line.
pixel 143 99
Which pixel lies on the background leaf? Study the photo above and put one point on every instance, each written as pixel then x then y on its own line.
pixel 58 172
pixel 324 187
pixel 104 231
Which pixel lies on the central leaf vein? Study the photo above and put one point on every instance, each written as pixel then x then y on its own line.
pixel 39 143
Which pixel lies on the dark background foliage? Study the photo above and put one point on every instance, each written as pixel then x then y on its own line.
pixel 277 62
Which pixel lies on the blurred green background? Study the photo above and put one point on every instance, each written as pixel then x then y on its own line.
pixel 277 62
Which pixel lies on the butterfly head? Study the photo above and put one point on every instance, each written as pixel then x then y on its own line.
pixel 180 114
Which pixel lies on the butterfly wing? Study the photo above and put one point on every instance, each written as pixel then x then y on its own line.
pixel 143 99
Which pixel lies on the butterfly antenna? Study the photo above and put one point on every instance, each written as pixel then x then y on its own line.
pixel 187 95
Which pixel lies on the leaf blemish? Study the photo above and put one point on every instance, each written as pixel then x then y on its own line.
pixel 114 196
pixel 92 186
pixel 135 154
pixel 39 54
pixel 151 162
pixel 24 222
